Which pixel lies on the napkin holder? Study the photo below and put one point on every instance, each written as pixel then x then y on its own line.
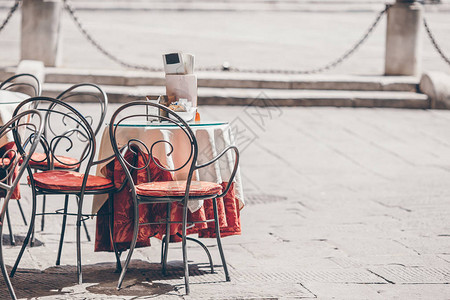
pixel 181 86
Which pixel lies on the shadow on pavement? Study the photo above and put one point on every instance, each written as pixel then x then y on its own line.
pixel 19 240
pixel 100 278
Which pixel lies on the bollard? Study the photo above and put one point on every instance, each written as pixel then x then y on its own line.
pixel 40 34
pixel 403 39
pixel 436 85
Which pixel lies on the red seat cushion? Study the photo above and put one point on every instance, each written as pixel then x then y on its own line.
pixel 177 188
pixel 69 181
pixel 40 159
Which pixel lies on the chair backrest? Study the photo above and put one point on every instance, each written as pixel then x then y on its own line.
pixel 24 83
pixel 90 93
pixel 143 112
pixel 27 128
pixel 68 134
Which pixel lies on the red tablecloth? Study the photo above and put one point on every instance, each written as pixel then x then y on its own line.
pixel 9 155
pixel 228 208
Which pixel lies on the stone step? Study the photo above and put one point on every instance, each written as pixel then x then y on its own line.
pixel 239 80
pixel 281 97
pixel 234 80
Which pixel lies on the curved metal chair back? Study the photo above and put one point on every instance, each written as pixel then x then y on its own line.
pixel 136 113
pixel 88 92
pixel 23 83
pixel 67 133
pixel 27 128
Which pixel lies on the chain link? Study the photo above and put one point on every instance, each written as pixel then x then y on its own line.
pixel 10 13
pixel 326 67
pixel 89 37
pixel 333 63
pixel 225 66
pixel 435 44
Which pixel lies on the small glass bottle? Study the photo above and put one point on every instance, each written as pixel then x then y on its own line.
pixel 197 117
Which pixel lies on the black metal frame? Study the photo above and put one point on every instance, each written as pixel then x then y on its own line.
pixel 10 83
pixel 101 98
pixel 20 160
pixel 82 133
pixel 136 145
pixel 13 83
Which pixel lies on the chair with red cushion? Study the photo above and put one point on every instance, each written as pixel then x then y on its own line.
pixel 78 93
pixel 166 192
pixel 14 163
pixel 68 133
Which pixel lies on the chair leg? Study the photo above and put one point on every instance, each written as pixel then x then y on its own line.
pixel 219 242
pixel 85 227
pixel 63 230
pixel 12 241
pixel 43 213
pixel 88 237
pixel 183 244
pixel 211 265
pixel 166 240
pixel 32 237
pixel 117 253
pixel 29 233
pixel 3 267
pixel 22 213
pixel 78 239
pixel 34 229
pixel 163 243
pixel 132 246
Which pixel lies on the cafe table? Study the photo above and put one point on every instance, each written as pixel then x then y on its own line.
pixel 8 102
pixel 212 138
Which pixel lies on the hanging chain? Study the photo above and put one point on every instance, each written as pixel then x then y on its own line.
pixel 435 44
pixel 10 13
pixel 330 65
pixel 100 48
pixel 225 66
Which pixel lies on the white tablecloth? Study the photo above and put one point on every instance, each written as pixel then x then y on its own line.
pixel 8 102
pixel 211 139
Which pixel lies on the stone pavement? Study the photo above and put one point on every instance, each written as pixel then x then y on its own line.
pixel 342 203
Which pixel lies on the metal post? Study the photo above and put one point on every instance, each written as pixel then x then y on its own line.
pixel 404 39
pixel 40 35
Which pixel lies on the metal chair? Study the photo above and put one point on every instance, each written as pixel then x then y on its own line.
pixel 167 192
pixel 27 84
pixel 67 132
pixel 83 92
pixel 14 163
